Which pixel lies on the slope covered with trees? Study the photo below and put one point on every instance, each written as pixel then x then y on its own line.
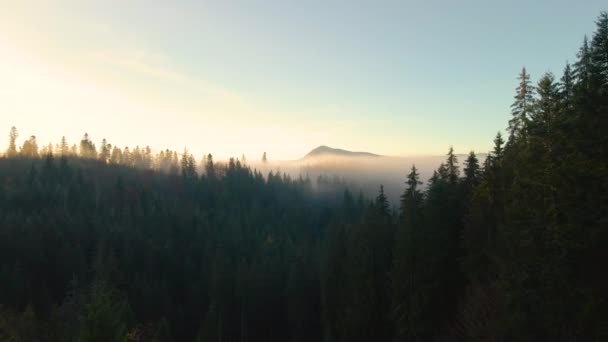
pixel 116 244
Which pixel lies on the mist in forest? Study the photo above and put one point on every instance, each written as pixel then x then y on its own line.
pixel 359 171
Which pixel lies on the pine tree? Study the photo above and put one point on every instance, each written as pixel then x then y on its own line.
pixel 472 172
pixel 191 165
pixel 413 181
pixel 596 117
pixel 408 261
pixel 184 164
pixel 46 150
pixel 521 109
pixel 64 148
pixel 368 264
pixel 498 146
pixel 442 173
pixel 30 147
pixel 126 157
pixel 335 296
pixel 106 316
pixel 209 167
pixel 116 156
pixel 147 162
pixel 136 157
pixel 566 88
pixel 583 69
pixel 599 48
pixel 87 148
pixel 452 167
pixel 104 153
pixel 12 145
pixel 174 169
pixel 382 202
pixel 546 108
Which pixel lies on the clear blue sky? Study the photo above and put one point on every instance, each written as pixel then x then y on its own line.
pixel 231 77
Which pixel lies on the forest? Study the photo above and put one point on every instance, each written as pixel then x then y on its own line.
pixel 101 243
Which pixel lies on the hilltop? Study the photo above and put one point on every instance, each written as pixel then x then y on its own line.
pixel 329 151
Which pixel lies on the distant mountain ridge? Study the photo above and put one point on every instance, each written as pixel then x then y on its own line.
pixel 338 152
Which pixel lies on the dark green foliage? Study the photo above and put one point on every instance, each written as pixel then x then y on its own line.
pixel 408 266
pixel 536 220
pixel 472 173
pixel 106 316
pixel 123 245
pixel 521 109
pixel 367 265
pixel 229 254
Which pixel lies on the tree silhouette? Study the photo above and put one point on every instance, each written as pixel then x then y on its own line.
pixel 12 145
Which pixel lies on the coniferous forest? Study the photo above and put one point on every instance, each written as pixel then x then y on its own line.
pixel 99 243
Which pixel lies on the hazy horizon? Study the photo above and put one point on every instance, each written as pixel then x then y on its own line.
pixel 393 78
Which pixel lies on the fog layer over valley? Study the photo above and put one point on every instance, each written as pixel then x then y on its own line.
pixel 329 168
pixel 101 242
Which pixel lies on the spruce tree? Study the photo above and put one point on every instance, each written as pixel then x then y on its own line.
pixel 566 88
pixel 452 167
pixel 106 316
pixel 498 146
pixel 87 148
pixel 210 167
pixel 471 172
pixel 64 148
pixel 599 48
pixel 12 145
pixel 583 69
pixel 521 109
pixel 104 153
pixel 30 147
pixel 545 109
pixel 408 262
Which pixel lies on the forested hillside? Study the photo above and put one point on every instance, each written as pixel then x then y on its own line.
pixel 110 244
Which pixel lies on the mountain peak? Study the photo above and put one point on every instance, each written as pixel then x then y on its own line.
pixel 338 152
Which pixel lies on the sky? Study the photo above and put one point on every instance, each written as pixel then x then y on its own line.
pixel 243 77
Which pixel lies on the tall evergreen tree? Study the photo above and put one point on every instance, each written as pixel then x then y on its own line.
pixel 115 156
pixel 521 108
pixel 545 108
pixel 105 150
pixel 210 167
pixel 87 148
pixel 406 275
pixel 599 48
pixel 106 316
pixel 566 88
pixel 12 145
pixel 472 172
pixel 64 148
pixel 583 69
pixel 498 146
pixel 452 167
pixel 30 147
pixel 368 264
pixel 509 253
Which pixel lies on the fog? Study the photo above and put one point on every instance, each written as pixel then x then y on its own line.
pixel 365 173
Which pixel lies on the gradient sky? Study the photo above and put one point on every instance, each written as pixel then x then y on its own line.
pixel 231 77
